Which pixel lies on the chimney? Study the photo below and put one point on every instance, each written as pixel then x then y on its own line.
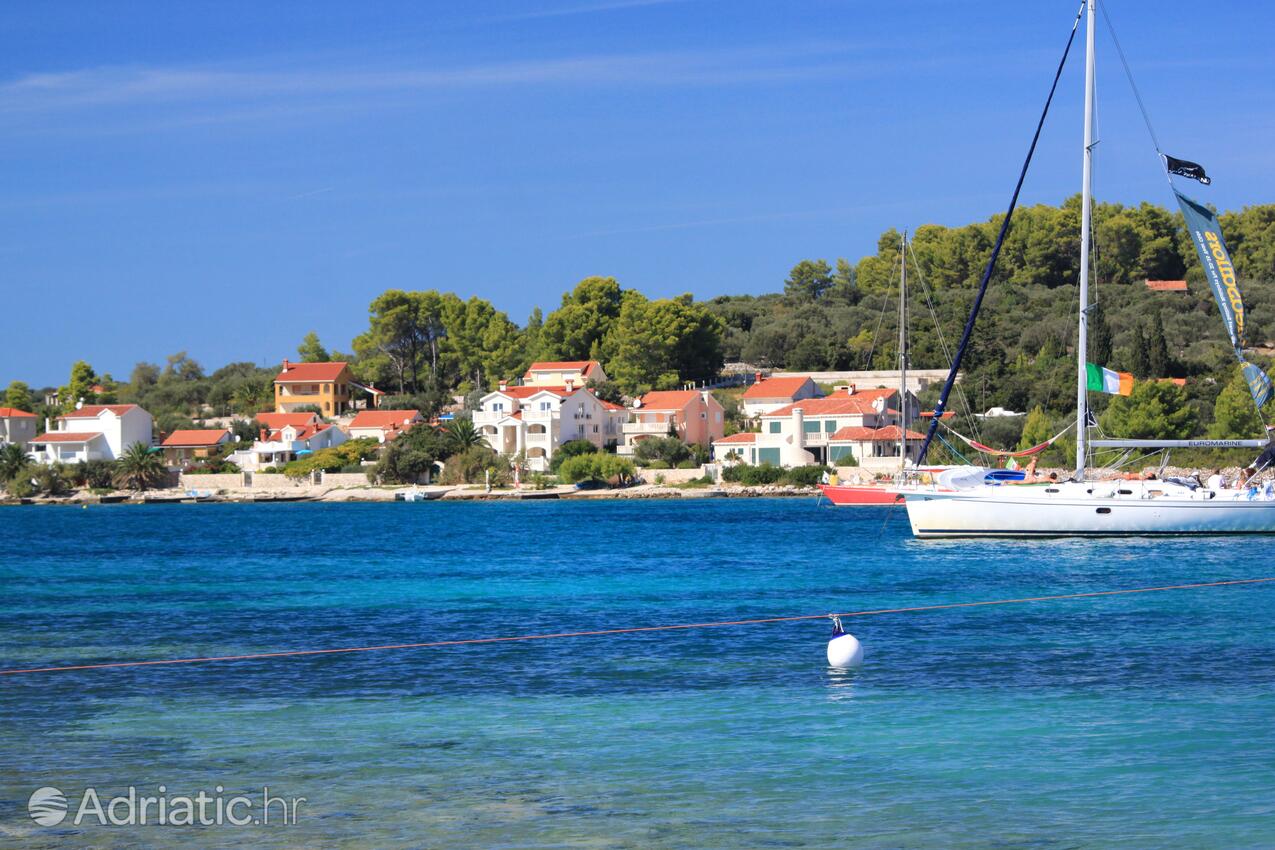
pixel 263 435
pixel 571 384
pixel 504 385
pixel 286 364
pixel 757 377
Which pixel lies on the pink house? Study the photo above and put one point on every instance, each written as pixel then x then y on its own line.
pixel 692 416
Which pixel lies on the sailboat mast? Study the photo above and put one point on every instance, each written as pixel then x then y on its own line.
pixel 1086 203
pixel 903 353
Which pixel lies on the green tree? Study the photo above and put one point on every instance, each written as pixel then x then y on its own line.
pixel 809 279
pixel 12 461
pixel 1100 350
pixel 1037 428
pixel 1159 363
pixel 138 468
pixel 598 467
pixel 411 456
pixel 1234 416
pixel 658 344
pixel 404 337
pixel 1155 409
pixel 575 330
pixel 18 396
pixel 461 435
pixel 570 449
pixel 80 386
pixel 311 350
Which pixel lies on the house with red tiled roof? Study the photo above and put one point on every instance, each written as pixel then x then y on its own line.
pixel 286 437
pixel 850 424
pixel 383 425
pixel 560 373
pixel 93 432
pixel 17 427
pixel 693 416
pixel 767 394
pixel 535 420
pixel 189 444
pixel 324 386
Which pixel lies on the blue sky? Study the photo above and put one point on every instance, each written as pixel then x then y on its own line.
pixel 223 177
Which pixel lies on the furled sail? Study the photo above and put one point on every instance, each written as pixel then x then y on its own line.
pixel 1206 233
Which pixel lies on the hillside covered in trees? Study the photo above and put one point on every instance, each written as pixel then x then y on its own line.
pixel 426 346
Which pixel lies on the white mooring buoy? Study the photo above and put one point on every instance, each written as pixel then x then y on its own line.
pixel 844 650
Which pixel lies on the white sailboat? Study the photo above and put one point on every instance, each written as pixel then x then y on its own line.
pixel 967 502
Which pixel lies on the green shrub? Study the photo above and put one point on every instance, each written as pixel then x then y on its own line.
pixel 598 467
pixel 687 464
pixel 333 459
pixel 657 464
pixel 472 466
pixel 569 449
pixel 752 476
pixel 670 450
pixel 805 476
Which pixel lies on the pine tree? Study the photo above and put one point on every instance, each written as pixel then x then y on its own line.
pixel 1099 336
pixel 1139 364
pixel 1159 363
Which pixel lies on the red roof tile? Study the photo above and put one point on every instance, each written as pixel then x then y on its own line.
pixel 66 437
pixel 776 388
pixel 10 412
pixel 610 405
pixel 742 437
pixel 527 392
pixel 668 399
pixel 275 421
pixel 584 367
pixel 385 418
pixel 309 372
pixel 857 434
pixel 195 437
pixel 836 404
pixel 92 411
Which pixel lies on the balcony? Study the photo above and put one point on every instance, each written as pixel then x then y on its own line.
pixel 648 429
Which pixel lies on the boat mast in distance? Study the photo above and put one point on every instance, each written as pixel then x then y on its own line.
pixel 903 355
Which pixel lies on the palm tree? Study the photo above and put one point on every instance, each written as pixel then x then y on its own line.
pixel 461 434
pixel 12 459
pixel 138 468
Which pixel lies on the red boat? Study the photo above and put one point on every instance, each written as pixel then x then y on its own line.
pixel 859 494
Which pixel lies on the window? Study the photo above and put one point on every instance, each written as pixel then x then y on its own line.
pixel 829 425
pixel 810 426
pixel 775 427
pixel 497 407
pixel 770 456
pixel 719 416
pixel 595 429
pixel 544 405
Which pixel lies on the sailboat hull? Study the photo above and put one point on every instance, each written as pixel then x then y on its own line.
pixel 1033 512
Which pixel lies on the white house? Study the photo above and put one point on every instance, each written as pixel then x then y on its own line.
pixel 285 437
pixel 536 420
pixel 93 432
pixel 768 394
pixel 863 425
pixel 560 373
pixel 17 427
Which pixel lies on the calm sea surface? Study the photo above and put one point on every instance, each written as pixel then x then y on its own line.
pixel 1135 721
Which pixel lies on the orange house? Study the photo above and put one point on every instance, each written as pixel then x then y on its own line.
pixel 326 386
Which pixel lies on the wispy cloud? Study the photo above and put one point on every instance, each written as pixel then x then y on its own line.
pixel 117 87
pixel 579 9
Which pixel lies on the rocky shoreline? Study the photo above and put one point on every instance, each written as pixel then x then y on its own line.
pixel 476 493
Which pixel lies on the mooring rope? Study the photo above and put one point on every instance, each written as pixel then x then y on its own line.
pixel 292 653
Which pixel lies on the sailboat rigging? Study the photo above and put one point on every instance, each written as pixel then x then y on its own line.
pixel 971 501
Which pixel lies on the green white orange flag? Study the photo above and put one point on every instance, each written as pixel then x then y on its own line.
pixel 1102 380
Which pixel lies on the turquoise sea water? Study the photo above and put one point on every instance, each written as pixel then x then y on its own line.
pixel 1134 721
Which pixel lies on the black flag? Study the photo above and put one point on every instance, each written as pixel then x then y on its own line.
pixel 1186 168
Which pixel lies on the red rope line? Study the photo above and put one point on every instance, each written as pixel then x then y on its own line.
pixel 631 630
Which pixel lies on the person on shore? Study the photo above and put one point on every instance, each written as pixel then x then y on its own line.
pixel 1216 481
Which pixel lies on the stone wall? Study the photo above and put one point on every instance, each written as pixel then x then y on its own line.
pixel 344 479
pixel 671 476
pixel 211 482
pixel 272 481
